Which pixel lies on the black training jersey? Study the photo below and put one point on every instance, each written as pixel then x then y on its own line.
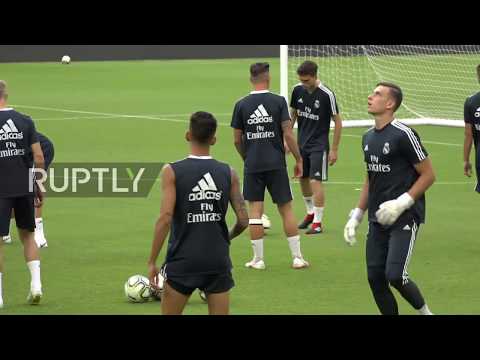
pixel 390 155
pixel 260 116
pixel 199 240
pixel 472 116
pixel 315 112
pixel 17 134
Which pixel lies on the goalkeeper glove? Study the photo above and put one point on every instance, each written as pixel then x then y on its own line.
pixel 356 216
pixel 390 211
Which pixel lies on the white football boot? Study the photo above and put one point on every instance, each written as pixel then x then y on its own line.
pixel 34 297
pixel 7 239
pixel 300 263
pixel 256 264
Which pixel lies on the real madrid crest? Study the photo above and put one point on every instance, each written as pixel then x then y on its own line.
pixel 386 148
pixel 317 104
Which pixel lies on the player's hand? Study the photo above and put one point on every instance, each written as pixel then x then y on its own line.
pixel 298 170
pixel 153 272
pixel 38 199
pixel 467 169
pixel 390 211
pixel 349 232
pixel 332 157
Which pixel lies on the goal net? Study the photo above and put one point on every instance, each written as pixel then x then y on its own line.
pixel 435 79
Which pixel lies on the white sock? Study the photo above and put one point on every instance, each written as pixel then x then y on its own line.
pixel 308 204
pixel 39 223
pixel 318 211
pixel 257 249
pixel 294 243
pixel 425 310
pixel 34 267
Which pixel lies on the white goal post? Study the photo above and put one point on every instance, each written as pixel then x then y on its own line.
pixel 435 79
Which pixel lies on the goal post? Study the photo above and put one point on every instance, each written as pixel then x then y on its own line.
pixel 435 79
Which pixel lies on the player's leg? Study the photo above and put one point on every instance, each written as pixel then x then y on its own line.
pixel 318 174
pixel 218 294
pixel 278 185
pixel 377 252
pixel 40 239
pixel 254 193
pixel 25 220
pixel 174 298
pixel 257 233
pixel 402 241
pixel 306 193
pixel 6 206
pixel 7 239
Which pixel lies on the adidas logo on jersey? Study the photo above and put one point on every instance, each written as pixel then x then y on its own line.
pixel 10 132
pixel 260 116
pixel 205 190
pixel 366 148
pixel 300 101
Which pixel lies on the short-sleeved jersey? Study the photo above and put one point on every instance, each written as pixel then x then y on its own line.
pixel 315 111
pixel 44 141
pixel 390 155
pixel 17 134
pixel 260 116
pixel 199 240
pixel 472 117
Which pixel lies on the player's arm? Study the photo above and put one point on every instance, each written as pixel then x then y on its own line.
pixel 239 207
pixel 293 117
pixel 39 163
pixel 467 148
pixel 356 215
pixel 162 227
pixel 238 141
pixel 337 133
pixel 289 137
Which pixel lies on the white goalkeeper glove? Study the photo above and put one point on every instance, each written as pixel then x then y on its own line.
pixel 356 216
pixel 390 211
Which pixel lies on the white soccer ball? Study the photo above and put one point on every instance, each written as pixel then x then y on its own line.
pixel 158 291
pixel 66 59
pixel 137 289
pixel 266 222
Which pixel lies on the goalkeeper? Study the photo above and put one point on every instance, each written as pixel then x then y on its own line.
pixel 399 173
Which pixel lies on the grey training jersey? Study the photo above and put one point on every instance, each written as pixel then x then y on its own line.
pixel 390 155
pixel 472 117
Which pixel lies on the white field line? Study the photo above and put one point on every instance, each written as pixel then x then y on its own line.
pixel 167 118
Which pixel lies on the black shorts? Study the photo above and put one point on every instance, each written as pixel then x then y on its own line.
pixel 390 249
pixel 210 284
pixel 276 181
pixel 24 214
pixel 315 165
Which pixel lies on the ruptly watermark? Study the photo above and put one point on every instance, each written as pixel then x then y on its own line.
pixel 96 180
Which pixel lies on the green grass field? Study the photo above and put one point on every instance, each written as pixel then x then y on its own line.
pixel 96 244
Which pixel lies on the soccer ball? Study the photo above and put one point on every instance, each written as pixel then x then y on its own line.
pixel 266 222
pixel 157 293
pixel 137 289
pixel 66 60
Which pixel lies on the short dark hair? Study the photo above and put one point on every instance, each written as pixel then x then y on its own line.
pixel 308 68
pixel 3 90
pixel 395 92
pixel 259 69
pixel 203 127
